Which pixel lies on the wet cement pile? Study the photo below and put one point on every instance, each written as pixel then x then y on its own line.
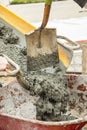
pixel 48 84
pixel 7 35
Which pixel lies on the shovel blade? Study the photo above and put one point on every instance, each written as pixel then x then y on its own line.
pixel 41 49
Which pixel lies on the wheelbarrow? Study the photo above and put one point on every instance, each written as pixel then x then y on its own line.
pixel 8 70
pixel 77 103
pixel 13 122
pixel 12 68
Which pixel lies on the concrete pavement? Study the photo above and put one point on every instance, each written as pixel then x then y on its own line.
pixel 33 13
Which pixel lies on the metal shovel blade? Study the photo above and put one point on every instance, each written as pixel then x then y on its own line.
pixel 41 49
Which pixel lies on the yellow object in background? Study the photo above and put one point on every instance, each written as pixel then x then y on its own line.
pixel 24 27
pixel 14 20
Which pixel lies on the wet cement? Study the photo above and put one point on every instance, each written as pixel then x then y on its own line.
pixel 48 84
pixel 17 101
pixel 42 61
pixel 7 35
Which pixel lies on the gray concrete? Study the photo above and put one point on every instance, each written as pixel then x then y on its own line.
pixel 60 10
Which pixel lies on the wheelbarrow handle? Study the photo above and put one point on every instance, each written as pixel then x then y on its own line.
pixel 17 68
pixel 71 45
pixel 13 72
pixel 46 13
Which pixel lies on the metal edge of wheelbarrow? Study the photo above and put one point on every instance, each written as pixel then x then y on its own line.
pixel 59 123
pixel 80 122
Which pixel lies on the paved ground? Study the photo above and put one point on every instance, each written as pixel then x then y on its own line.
pixel 60 10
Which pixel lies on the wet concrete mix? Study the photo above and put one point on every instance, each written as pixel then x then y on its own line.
pixel 47 84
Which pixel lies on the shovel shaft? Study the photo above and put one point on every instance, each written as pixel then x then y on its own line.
pixel 46 13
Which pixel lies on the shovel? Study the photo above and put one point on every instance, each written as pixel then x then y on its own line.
pixel 42 44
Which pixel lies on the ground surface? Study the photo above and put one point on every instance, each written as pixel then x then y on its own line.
pixel 60 10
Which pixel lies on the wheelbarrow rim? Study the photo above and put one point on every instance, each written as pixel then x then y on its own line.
pixel 50 123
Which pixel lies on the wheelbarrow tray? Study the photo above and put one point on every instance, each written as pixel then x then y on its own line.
pixel 13 122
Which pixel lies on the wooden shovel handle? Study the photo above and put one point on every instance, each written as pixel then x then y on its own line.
pixel 84 59
pixel 46 13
